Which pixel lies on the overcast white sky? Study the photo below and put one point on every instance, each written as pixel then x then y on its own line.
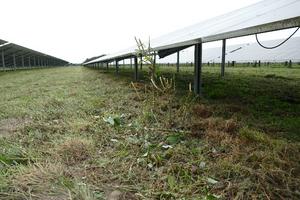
pixel 77 29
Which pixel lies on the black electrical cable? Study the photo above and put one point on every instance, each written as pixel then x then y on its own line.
pixel 260 44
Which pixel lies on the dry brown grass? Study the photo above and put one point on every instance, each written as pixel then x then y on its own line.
pixel 248 164
pixel 40 181
pixel 201 126
pixel 202 111
pixel 266 168
pixel 75 150
pixel 11 125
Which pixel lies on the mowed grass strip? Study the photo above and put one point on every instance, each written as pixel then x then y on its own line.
pixel 77 133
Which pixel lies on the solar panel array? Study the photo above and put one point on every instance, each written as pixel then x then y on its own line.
pixel 264 16
pixel 13 56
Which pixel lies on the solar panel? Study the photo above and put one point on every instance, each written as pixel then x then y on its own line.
pixel 2 42
pixel 127 53
pixel 268 15
pixel 254 52
pixel 247 52
pixel 93 58
pixel 264 16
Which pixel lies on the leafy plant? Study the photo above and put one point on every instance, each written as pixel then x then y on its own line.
pixel 174 139
pixel 115 120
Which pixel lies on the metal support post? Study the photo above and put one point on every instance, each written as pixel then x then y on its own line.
pixel 197 69
pixel 141 64
pixel 223 57
pixel 154 60
pixel 136 69
pixel 3 59
pixel 14 58
pixel 23 62
pixel 177 64
pixel 117 66
pixel 29 62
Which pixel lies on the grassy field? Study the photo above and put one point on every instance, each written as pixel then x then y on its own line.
pixel 78 133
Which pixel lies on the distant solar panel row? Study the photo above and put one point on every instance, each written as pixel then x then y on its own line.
pixel 2 41
pixel 264 16
pixel 13 56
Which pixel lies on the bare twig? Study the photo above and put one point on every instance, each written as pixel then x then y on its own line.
pixel 136 91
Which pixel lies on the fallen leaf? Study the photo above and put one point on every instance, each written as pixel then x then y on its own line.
pixel 114 140
pixel 166 146
pixel 212 181
pixel 202 165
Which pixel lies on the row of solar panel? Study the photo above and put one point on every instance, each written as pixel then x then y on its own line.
pixel 13 56
pixel 264 16
pixel 241 53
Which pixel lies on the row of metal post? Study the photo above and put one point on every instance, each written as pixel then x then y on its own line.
pixel 41 62
pixel 197 65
